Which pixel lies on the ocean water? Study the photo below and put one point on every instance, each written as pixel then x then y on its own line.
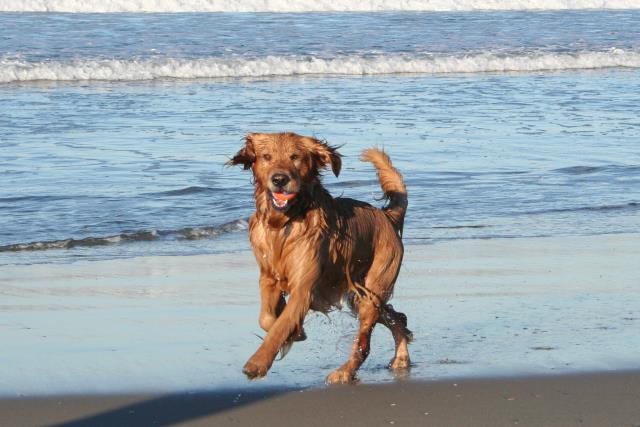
pixel 115 127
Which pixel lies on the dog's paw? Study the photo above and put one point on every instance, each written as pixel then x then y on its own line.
pixel 253 371
pixel 340 377
pixel 400 364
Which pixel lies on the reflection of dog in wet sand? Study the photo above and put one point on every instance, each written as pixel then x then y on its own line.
pixel 319 250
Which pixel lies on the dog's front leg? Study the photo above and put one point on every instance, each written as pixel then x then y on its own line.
pixel 272 301
pixel 272 305
pixel 285 325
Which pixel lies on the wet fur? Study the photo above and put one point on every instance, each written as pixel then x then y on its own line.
pixel 322 250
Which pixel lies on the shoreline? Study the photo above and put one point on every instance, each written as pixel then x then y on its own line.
pixel 594 399
pixel 478 308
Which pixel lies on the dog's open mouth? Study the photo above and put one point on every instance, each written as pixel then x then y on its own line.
pixel 282 200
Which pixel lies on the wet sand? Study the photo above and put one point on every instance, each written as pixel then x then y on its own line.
pixel 167 337
pixel 585 400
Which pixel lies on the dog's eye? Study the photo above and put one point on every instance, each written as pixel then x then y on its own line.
pixel 294 157
pixel 267 157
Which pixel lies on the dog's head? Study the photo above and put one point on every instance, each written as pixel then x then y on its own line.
pixel 286 165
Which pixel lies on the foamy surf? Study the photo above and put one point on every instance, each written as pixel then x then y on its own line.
pixel 171 6
pixel 188 233
pixel 164 68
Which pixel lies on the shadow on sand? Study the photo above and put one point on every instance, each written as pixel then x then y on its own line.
pixel 162 410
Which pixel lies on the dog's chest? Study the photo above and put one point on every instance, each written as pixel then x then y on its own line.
pixel 273 249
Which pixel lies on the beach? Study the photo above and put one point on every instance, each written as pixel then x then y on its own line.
pixel 502 318
pixel 128 290
pixel 580 400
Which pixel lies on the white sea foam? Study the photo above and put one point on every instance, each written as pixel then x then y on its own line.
pixel 114 70
pixel 100 6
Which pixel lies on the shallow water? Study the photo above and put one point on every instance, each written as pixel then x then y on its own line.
pixel 477 308
pixel 483 156
pixel 115 128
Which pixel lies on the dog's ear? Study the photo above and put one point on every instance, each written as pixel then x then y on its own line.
pixel 324 154
pixel 246 156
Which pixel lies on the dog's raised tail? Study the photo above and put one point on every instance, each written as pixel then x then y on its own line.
pixel 392 185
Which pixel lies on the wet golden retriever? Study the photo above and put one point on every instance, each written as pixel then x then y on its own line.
pixel 319 250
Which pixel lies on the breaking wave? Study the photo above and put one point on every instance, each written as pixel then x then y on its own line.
pixel 623 170
pixel 170 6
pixel 631 206
pixel 134 236
pixel 12 70
pixel 185 191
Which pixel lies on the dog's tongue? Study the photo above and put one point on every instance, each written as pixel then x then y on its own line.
pixel 283 196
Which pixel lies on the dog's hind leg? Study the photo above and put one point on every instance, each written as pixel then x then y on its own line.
pixel 397 324
pixel 381 280
pixel 368 314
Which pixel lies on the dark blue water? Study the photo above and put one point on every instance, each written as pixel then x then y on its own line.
pixel 109 168
pixel 65 37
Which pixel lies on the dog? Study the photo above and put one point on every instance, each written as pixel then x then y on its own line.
pixel 315 251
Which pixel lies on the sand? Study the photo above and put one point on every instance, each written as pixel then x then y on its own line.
pixel 584 400
pixel 173 332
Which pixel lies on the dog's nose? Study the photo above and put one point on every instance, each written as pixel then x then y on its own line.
pixel 280 179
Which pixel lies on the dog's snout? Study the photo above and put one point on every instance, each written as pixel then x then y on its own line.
pixel 280 179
